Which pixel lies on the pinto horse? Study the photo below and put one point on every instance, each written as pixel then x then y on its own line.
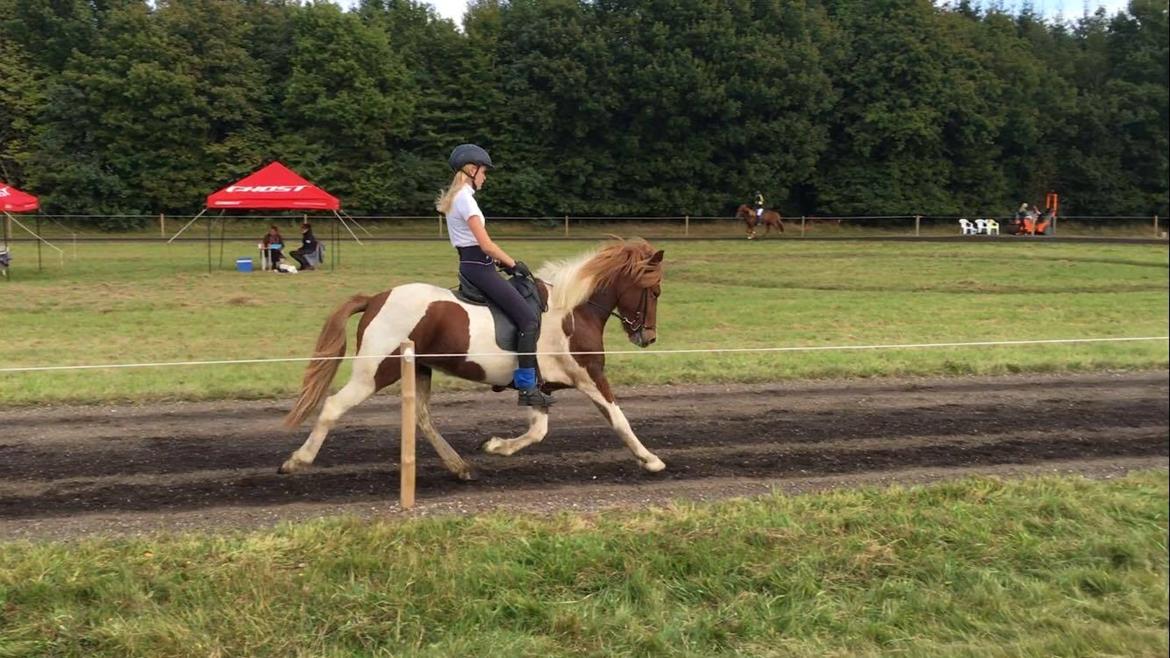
pixel 622 279
pixel 767 219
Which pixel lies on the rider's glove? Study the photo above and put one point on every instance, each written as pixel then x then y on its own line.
pixel 521 270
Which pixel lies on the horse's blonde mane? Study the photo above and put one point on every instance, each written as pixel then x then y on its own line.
pixel 574 280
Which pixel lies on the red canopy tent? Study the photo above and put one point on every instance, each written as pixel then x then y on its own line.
pixel 13 200
pixel 274 187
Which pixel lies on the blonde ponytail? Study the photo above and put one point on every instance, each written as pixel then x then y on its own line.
pixel 443 201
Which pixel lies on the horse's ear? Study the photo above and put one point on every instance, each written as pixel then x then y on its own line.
pixel 657 257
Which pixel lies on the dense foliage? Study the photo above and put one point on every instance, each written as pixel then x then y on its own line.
pixel 603 107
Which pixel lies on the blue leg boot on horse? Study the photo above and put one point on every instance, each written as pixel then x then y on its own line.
pixel 525 379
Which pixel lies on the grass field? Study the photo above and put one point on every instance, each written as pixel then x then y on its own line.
pixel 148 302
pixel 1042 567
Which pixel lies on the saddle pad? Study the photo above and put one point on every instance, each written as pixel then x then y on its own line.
pixel 505 329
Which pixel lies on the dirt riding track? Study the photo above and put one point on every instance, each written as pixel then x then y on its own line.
pixel 72 471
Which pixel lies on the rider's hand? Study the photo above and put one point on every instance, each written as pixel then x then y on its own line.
pixel 506 269
pixel 520 269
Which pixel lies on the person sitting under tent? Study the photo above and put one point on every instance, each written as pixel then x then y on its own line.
pixel 308 255
pixel 273 243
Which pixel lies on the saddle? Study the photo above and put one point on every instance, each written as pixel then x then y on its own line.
pixel 506 332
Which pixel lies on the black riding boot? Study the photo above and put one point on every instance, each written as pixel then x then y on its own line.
pixel 525 377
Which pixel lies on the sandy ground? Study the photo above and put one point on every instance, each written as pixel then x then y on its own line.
pixel 74 471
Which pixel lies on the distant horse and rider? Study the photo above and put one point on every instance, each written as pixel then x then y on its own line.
pixel 622 279
pixel 755 217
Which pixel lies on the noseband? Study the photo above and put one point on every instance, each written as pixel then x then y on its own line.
pixel 639 321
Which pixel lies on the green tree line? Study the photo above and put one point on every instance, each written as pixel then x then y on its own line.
pixel 600 107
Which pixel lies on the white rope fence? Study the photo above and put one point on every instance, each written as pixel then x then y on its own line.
pixel 726 350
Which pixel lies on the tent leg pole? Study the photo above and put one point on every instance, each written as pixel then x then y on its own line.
pixel 222 228
pixel 39 267
pixel 209 223
pixel 185 226
pixel 355 223
pixel 346 225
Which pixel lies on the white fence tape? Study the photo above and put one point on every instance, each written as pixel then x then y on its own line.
pixel 730 350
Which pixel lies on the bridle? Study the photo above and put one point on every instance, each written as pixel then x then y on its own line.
pixel 639 321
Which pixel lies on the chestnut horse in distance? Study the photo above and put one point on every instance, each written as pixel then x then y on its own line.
pixel 768 219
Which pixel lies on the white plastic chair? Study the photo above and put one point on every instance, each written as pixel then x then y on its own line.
pixel 981 226
pixel 992 227
pixel 966 227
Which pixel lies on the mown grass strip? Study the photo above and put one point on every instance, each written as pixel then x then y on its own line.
pixel 146 302
pixel 977 567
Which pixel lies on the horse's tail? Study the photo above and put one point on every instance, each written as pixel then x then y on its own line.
pixel 319 374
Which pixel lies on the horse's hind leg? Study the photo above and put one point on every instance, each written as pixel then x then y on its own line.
pixel 422 407
pixel 537 428
pixel 359 387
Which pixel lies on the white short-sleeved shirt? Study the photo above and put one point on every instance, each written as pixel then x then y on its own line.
pixel 463 207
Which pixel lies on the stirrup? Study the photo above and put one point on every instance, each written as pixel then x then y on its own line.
pixel 534 397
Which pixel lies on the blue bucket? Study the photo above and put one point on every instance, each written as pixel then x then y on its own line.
pixel 243 264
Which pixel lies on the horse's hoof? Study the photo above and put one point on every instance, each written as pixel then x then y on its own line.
pixel 290 466
pixel 470 475
pixel 654 465
pixel 491 446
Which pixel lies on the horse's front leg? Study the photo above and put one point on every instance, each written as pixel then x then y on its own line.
pixel 537 428
pixel 597 388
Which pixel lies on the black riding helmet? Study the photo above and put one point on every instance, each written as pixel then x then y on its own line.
pixel 466 154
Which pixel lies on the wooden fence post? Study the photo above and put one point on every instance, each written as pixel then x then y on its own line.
pixel 802 226
pixel 406 460
pixel 1156 233
pixel 566 225
pixel 917 225
pixel 162 225
pixel 687 225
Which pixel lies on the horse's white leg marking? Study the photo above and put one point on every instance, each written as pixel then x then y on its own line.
pixel 359 387
pixel 537 428
pixel 617 420
pixel 451 459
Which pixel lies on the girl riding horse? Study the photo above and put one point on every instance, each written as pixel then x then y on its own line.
pixel 753 219
pixel 478 254
pixel 621 280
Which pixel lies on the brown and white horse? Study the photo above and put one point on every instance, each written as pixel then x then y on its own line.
pixel 767 219
pixel 622 279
